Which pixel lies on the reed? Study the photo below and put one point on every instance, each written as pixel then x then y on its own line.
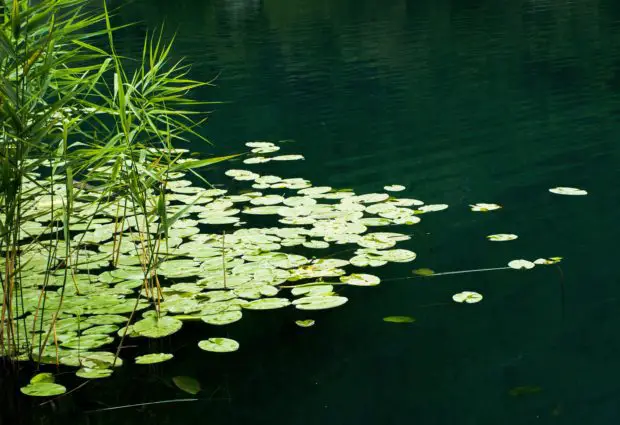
pixel 81 127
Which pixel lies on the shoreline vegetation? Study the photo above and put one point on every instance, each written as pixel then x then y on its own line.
pixel 109 231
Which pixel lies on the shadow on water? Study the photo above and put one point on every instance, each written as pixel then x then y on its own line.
pixel 462 101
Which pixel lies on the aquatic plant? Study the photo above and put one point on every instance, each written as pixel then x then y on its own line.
pixel 108 232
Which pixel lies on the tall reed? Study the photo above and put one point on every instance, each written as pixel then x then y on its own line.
pixel 76 111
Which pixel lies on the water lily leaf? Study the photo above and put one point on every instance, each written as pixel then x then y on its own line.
pixel 360 279
pixel 219 345
pixel 547 261
pixel 107 319
pixel 223 318
pixel 187 383
pixel 152 327
pixel 101 329
pixel 43 389
pixel 468 297
pixel 153 358
pixel 423 272
pixel 309 290
pixel 431 208
pixel 267 200
pixel 304 323
pixel 316 244
pixel 394 188
pixel 89 373
pixel 399 319
pixel 87 342
pixel 319 302
pixel 267 304
pixel 573 191
pixel 266 210
pixel 287 158
pixel 501 237
pixel 521 264
pixel 483 207
pixel 42 378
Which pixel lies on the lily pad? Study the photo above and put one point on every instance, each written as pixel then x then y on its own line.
pixel 188 384
pixel 153 358
pixel 304 323
pixel 572 191
pixel 360 279
pixel 219 345
pixel 399 319
pixel 424 272
pixel 43 389
pixel 96 373
pixel 484 207
pixel 394 188
pixel 521 264
pixel 468 297
pixel 502 237
pixel 267 304
pixel 223 318
pixel 152 327
pixel 319 302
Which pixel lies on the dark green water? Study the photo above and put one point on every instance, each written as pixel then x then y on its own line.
pixel 463 101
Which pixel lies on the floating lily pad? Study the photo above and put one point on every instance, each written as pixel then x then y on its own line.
pixel 394 188
pixel 267 304
pixel 501 237
pixel 399 319
pixel 573 191
pixel 89 373
pixel 423 272
pixel 42 378
pixel 521 264
pixel 43 389
pixel 188 384
pixel 468 297
pixel 223 318
pixel 319 302
pixel 360 279
pixel 219 345
pixel 153 358
pixel 152 327
pixel 483 207
pixel 304 323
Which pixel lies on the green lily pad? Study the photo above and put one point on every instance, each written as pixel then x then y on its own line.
pixel 223 318
pixel 87 342
pixel 424 272
pixel 101 329
pixel 219 345
pixel 43 389
pixel 96 373
pixel 42 377
pixel 152 327
pixel 267 304
pixel 573 191
pixel 360 279
pixel 399 319
pixel 501 237
pixel 153 358
pixel 468 297
pixel 319 302
pixel 304 323
pixel 188 384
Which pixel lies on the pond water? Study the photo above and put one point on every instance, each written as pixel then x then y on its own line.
pixel 463 102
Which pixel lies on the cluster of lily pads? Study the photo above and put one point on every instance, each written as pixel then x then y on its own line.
pixel 75 299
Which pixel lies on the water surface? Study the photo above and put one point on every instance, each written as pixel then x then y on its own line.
pixel 463 102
